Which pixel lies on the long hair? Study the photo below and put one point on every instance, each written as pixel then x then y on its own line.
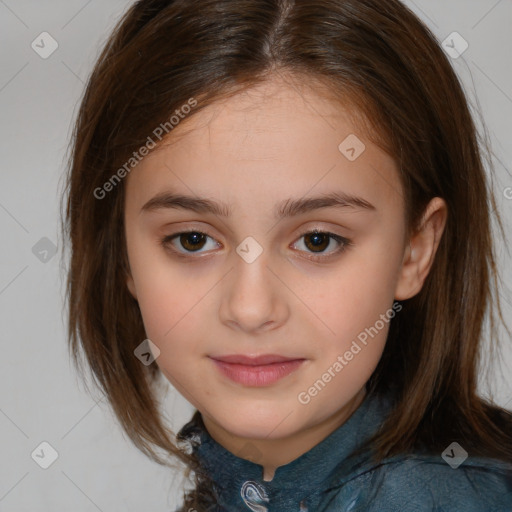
pixel 373 55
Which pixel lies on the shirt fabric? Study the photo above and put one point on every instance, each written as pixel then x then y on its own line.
pixel 324 479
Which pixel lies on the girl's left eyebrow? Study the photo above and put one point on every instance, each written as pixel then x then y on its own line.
pixel 287 208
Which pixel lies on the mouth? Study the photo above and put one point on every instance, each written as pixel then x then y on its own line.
pixel 256 371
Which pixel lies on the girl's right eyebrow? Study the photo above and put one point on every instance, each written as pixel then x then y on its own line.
pixel 287 208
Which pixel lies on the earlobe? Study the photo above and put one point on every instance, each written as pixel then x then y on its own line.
pixel 421 250
pixel 131 286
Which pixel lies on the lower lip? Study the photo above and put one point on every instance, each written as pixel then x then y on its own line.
pixel 263 375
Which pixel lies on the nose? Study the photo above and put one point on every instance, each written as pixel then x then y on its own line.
pixel 254 298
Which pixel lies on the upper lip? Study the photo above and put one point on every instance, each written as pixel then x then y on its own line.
pixel 255 360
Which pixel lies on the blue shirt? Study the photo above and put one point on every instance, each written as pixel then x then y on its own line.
pixel 324 479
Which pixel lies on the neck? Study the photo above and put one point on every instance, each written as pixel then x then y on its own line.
pixel 272 453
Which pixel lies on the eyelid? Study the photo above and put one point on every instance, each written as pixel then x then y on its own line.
pixel 344 242
pixel 166 240
pixel 339 239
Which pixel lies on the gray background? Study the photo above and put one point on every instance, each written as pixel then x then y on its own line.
pixel 42 399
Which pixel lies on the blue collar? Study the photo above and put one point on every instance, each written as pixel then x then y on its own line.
pixel 240 482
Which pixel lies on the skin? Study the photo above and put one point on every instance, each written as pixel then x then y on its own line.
pixel 252 151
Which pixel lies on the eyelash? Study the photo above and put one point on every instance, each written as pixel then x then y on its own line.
pixel 345 243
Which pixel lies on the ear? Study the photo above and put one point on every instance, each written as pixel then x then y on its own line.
pixel 421 250
pixel 131 284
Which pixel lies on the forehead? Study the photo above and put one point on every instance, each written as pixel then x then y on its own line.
pixel 274 140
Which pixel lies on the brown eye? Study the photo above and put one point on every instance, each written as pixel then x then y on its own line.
pixel 189 242
pixel 192 241
pixel 317 242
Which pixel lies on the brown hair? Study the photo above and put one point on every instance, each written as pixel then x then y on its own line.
pixel 374 55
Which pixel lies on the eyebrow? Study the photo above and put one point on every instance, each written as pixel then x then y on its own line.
pixel 287 208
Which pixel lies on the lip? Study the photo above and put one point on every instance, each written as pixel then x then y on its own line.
pixel 256 371
pixel 255 360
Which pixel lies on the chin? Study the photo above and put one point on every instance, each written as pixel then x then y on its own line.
pixel 266 426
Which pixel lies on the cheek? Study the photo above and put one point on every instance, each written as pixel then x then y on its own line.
pixel 165 304
pixel 161 291
pixel 173 301
pixel 354 295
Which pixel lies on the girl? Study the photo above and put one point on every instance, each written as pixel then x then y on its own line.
pixel 281 208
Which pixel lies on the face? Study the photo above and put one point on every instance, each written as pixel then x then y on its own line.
pixel 256 277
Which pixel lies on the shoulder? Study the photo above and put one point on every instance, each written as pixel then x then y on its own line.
pixel 476 485
pixel 428 483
